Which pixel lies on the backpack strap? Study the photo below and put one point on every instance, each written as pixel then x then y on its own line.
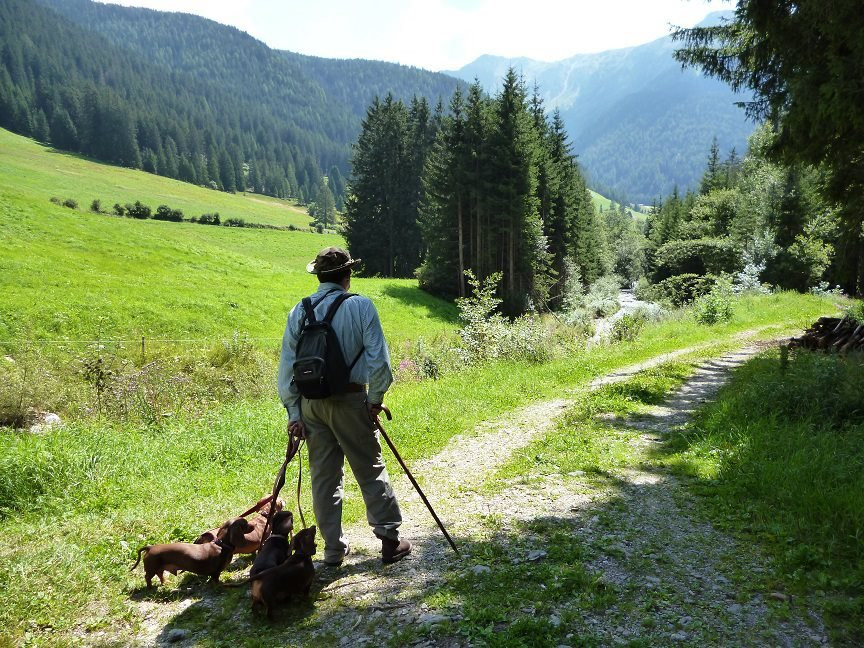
pixel 309 308
pixel 329 318
pixel 335 306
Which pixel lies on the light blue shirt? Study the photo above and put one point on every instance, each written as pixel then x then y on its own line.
pixel 357 326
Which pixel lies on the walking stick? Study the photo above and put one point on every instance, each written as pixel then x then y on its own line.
pixel 411 477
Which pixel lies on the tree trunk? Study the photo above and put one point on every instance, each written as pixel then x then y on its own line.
pixel 461 250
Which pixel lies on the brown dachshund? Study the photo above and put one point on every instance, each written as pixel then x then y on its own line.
pixel 202 559
pixel 275 549
pixel 254 537
pixel 293 576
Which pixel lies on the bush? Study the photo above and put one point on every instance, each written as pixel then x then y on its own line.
pixel 96 206
pixel 71 203
pixel 209 219
pixel 486 335
pixel 165 213
pixel 683 289
pixel 642 290
pixel 234 222
pixel 627 327
pixel 55 200
pixel 138 210
pixel 716 306
pixel 119 210
pixel 696 256
pixel 602 297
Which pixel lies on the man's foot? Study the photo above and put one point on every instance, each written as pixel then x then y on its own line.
pixel 393 550
pixel 338 561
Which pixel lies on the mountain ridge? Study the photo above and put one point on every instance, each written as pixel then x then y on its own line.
pixel 687 109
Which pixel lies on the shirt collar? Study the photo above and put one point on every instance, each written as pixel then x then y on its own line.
pixel 327 286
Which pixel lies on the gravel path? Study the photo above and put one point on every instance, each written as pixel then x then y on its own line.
pixel 692 583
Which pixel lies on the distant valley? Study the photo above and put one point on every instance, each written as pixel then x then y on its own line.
pixel 639 124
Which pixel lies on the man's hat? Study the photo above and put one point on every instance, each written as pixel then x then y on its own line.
pixel 329 260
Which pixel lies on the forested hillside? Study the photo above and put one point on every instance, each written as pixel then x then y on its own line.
pixel 182 96
pixel 639 123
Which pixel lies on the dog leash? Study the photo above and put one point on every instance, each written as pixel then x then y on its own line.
pixel 294 445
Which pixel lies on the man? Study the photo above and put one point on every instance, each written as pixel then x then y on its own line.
pixel 341 426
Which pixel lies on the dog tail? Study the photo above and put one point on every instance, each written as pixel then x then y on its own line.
pixel 145 548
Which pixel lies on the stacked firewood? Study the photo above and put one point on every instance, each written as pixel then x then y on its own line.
pixel 832 334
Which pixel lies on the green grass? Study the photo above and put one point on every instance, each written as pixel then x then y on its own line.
pixel 86 496
pixel 778 458
pixel 40 172
pixel 604 202
pixel 68 274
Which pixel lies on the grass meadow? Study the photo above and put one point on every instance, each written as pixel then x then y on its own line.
pixel 77 501
pixel 41 172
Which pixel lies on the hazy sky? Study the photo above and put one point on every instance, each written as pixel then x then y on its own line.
pixel 447 34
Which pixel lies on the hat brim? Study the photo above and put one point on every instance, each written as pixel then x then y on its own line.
pixel 310 267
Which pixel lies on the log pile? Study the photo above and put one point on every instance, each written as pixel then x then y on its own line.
pixel 832 334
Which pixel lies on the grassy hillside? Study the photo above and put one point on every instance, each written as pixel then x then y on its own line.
pixel 604 203
pixel 39 172
pixel 72 274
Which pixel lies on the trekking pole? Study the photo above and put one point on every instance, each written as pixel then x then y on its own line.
pixel 411 477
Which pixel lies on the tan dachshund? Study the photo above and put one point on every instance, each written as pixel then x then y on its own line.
pixel 253 538
pixel 208 559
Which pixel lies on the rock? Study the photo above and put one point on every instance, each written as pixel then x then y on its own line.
pixel 481 569
pixel 432 618
pixel 779 596
pixel 537 554
pixel 653 580
pixel 50 419
pixel 176 634
pixel 555 620
pixel 679 636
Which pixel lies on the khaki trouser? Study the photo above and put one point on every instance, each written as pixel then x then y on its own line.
pixel 339 427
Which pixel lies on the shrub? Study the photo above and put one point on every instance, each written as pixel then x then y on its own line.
pixel 601 299
pixel 696 256
pixel 642 290
pixel 209 219
pixel 138 210
pixel 165 213
pixel 747 281
pixel 716 306
pixel 119 210
pixel 856 312
pixel 55 200
pixel 683 289
pixel 234 222
pixel 627 327
pixel 71 203
pixel 96 206
pixel 487 335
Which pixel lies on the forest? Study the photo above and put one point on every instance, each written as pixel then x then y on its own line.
pixel 182 97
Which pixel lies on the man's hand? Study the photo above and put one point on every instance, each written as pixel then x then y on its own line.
pixel 297 429
pixel 375 409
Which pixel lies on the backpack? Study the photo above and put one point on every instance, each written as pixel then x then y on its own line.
pixel 319 366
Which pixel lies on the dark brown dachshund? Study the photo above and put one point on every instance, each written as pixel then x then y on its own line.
pixel 275 549
pixel 253 538
pixel 203 559
pixel 293 576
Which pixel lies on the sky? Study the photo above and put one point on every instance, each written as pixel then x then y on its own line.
pixel 447 34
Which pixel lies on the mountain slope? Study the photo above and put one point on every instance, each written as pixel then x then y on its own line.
pixel 639 123
pixel 190 98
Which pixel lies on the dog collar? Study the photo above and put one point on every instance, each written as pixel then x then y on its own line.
pixel 223 544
